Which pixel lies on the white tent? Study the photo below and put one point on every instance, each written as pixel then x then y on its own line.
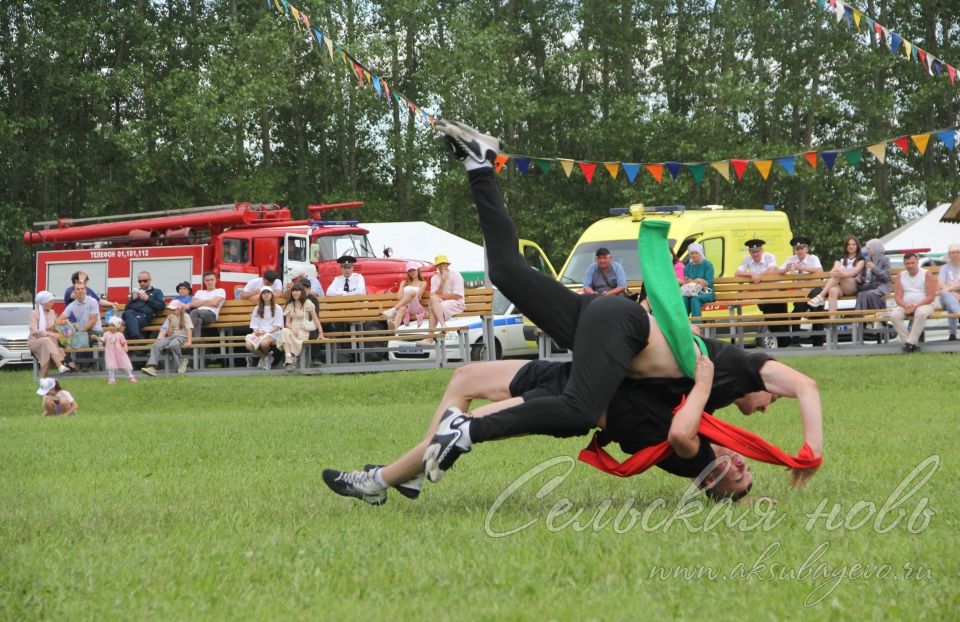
pixel 924 232
pixel 419 240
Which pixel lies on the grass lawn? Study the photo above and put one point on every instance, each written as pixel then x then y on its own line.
pixel 201 498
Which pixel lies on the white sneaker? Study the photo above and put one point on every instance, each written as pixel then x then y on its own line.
pixel 63 369
pixel 357 484
pixel 816 301
pixel 389 313
pixel 184 364
pixel 467 142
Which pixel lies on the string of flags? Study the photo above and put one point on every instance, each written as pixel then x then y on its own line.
pixel 895 42
pixel 527 165
pixel 365 76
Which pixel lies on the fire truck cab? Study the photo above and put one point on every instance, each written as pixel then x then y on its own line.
pixel 238 242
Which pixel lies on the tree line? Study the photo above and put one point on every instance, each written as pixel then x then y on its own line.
pixel 123 107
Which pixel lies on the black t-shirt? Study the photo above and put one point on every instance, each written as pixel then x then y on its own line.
pixel 735 373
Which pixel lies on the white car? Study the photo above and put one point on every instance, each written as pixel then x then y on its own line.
pixel 508 333
pixel 14 331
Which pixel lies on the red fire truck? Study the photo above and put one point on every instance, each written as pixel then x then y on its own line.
pixel 238 242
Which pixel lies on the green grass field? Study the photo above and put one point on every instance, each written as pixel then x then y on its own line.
pixel 200 498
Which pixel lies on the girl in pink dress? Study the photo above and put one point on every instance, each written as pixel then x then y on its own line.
pixel 115 351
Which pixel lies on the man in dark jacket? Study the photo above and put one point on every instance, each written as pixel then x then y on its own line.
pixel 144 303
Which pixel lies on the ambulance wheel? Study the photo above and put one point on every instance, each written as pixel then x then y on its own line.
pixel 478 351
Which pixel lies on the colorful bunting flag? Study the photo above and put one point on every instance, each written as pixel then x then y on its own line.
pixel 764 167
pixel 588 169
pixel 567 165
pixel 811 158
pixel 544 165
pixel 921 140
pixel 501 160
pixel 657 171
pixel 697 170
pixel 829 158
pixel 722 167
pixel 739 166
pixel 523 164
pixel 787 164
pixel 952 73
pixel 853 156
pixel 631 170
pixel 376 86
pixel 902 143
pixel 674 168
pixel 879 151
pixel 613 168
pixel 946 137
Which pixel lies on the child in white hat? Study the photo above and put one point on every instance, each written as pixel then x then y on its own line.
pixel 56 400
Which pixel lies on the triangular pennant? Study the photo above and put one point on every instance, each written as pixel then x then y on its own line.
pixel 697 170
pixel 722 167
pixel 868 22
pixel 318 36
pixel 329 45
pixel 829 158
pixel 376 86
pixel 811 158
pixel 847 14
pixel 921 140
pixel 567 166
pixel 856 19
pixel 937 66
pixel 587 168
pixel 366 74
pixel 544 165
pixel 902 143
pixel 500 161
pixel 657 171
pixel 915 53
pixel 764 167
pixel 923 58
pixel 296 15
pixel 674 168
pixel 305 20
pixel 853 156
pixel 433 122
pixel 821 3
pixel 359 70
pixel 952 72
pixel 838 13
pixel 906 48
pixel 425 119
pixel 286 7
pixel 739 167
pixel 947 137
pixel 631 170
pixel 879 151
pixel 523 165
pixel 276 3
pixel 895 42
pixel 386 91
pixel 613 168
pixel 788 164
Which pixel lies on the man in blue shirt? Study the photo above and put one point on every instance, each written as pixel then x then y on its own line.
pixel 605 276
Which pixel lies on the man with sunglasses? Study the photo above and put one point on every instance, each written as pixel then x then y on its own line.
pixel 802 262
pixel 144 303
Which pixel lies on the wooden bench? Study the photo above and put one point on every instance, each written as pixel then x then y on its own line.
pixel 358 343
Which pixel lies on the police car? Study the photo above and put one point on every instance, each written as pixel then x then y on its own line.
pixel 508 333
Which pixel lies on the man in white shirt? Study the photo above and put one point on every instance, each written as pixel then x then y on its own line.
pixel 206 303
pixel 802 262
pixel 756 265
pixel 446 295
pixel 349 283
pixel 84 311
pixel 913 291
pixel 309 281
pixel 269 279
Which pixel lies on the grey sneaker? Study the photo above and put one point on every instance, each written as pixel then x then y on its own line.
pixel 443 450
pixel 409 489
pixel 467 142
pixel 149 370
pixel 356 484
pixel 184 364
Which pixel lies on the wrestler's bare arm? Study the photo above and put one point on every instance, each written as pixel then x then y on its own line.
pixel 684 435
pixel 780 379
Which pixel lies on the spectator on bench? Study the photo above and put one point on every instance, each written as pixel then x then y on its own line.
pixel 84 312
pixel 270 279
pixel 175 333
pixel 309 283
pixel 82 277
pixel 266 320
pixel 876 283
pixel 844 277
pixel 302 321
pixel 698 272
pixel 446 295
pixel 948 287
pixel 144 303
pixel 206 304
pixel 409 291
pixel 914 292
pixel 604 276
pixel 756 265
pixel 184 292
pixel 44 342
pixel 802 262
pixel 349 283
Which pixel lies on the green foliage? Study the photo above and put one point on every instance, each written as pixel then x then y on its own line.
pixel 123 107
pixel 196 498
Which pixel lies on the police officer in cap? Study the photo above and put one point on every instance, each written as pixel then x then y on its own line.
pixel 349 283
pixel 755 265
pixel 802 262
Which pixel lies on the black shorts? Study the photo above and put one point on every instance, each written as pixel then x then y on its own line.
pixel 540 379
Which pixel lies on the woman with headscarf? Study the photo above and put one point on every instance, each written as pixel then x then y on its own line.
pixel 697 287
pixel 876 282
pixel 44 341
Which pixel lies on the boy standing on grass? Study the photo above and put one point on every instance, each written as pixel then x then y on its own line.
pixel 56 400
